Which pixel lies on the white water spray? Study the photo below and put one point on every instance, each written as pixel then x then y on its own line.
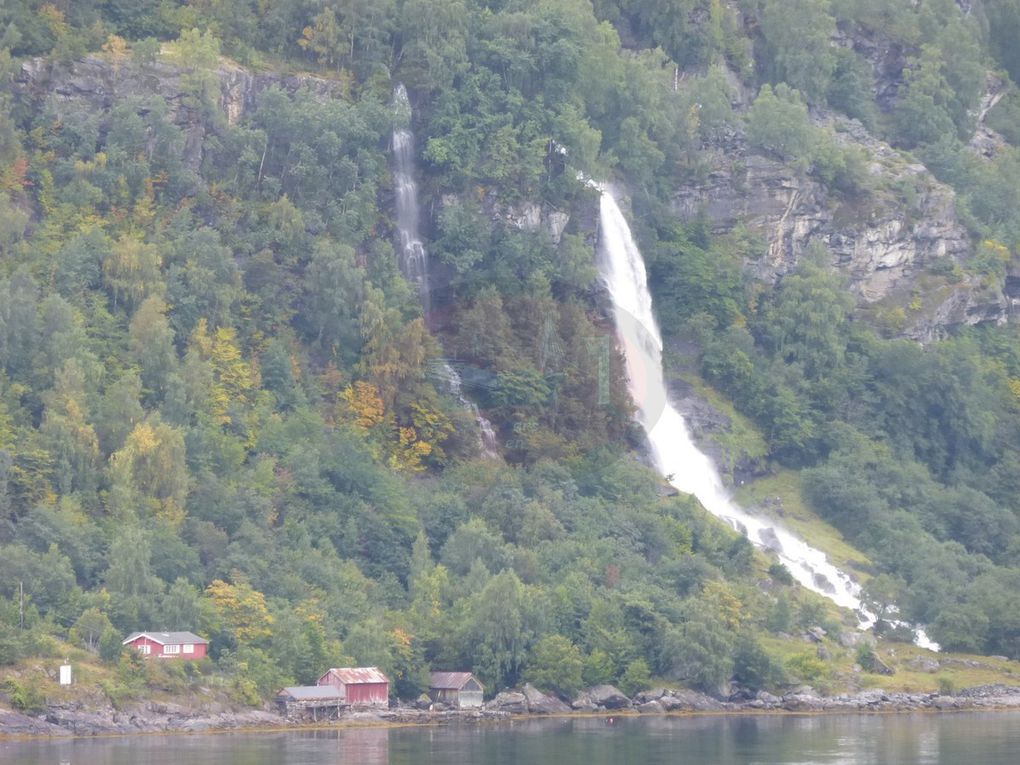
pixel 673 450
pixel 452 380
pixel 413 257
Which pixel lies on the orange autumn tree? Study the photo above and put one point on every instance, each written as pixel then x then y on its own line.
pixel 402 441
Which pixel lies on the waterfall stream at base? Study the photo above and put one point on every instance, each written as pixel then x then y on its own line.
pixel 622 268
pixel 413 257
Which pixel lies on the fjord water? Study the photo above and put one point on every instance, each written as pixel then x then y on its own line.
pixel 675 454
pixel 983 739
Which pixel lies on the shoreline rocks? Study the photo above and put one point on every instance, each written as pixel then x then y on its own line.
pixel 61 720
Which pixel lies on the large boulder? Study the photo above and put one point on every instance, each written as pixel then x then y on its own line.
pixel 608 697
pixel 583 703
pixel 851 638
pixel 802 702
pixel 513 702
pixel 651 707
pixel 541 703
pixel 922 664
pixel 685 700
pixel 653 694
pixel 872 663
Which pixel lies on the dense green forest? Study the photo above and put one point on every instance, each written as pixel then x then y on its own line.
pixel 219 401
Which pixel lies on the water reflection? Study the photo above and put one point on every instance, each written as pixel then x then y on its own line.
pixel 982 739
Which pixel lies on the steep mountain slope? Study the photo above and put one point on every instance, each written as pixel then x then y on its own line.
pixel 224 408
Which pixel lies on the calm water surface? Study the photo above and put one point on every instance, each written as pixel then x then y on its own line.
pixel 958 739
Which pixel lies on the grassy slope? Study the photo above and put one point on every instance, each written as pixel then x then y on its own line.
pixel 917 670
pixel 98 685
pixel 779 497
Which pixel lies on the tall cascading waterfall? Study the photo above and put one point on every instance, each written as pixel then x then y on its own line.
pixel 414 264
pixel 413 257
pixel 623 270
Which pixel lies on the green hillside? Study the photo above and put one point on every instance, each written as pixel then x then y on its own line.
pixel 224 409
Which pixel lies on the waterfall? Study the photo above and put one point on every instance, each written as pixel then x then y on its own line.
pixel 452 380
pixel 413 257
pixel 673 451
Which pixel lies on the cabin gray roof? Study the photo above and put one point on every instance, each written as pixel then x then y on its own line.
pixel 313 693
pixel 166 638
pixel 451 680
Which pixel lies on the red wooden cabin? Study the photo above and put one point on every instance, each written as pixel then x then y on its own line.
pixel 360 685
pixel 168 645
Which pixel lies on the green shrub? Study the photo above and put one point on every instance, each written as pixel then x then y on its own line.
pixel 555 665
pixel 807 667
pixel 26 695
pixel 598 668
pixel 110 646
pixel 865 654
pixel 118 693
pixel 780 573
pixel 637 677
pixel 753 667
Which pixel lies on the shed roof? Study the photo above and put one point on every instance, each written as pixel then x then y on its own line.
pixel 166 638
pixel 358 675
pixel 313 693
pixel 452 680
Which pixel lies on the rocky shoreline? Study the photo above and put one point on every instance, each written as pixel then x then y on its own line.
pixel 61 720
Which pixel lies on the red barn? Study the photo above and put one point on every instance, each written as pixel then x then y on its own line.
pixel 168 645
pixel 360 685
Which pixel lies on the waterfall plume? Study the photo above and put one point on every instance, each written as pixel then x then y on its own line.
pixel 673 450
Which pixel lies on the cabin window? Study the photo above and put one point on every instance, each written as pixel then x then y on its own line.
pixel 143 649
pixel 188 648
pixel 171 649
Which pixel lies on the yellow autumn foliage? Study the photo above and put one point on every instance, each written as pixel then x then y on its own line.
pixel 234 380
pixel 364 403
pixel 150 470
pixel 727 605
pixel 242 610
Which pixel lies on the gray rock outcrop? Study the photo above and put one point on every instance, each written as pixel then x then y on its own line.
pixel 904 229
pixel 95 83
pixel 608 697
pixel 541 703
pixel 685 700
pixel 513 702
pixel 871 662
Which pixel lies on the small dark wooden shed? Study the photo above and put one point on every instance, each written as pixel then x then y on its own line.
pixel 460 690
pixel 314 702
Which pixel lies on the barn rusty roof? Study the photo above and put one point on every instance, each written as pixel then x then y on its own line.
pixel 358 675
pixel 312 692
pixel 450 680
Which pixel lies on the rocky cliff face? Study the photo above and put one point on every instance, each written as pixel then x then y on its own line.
pixel 93 84
pixel 895 242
